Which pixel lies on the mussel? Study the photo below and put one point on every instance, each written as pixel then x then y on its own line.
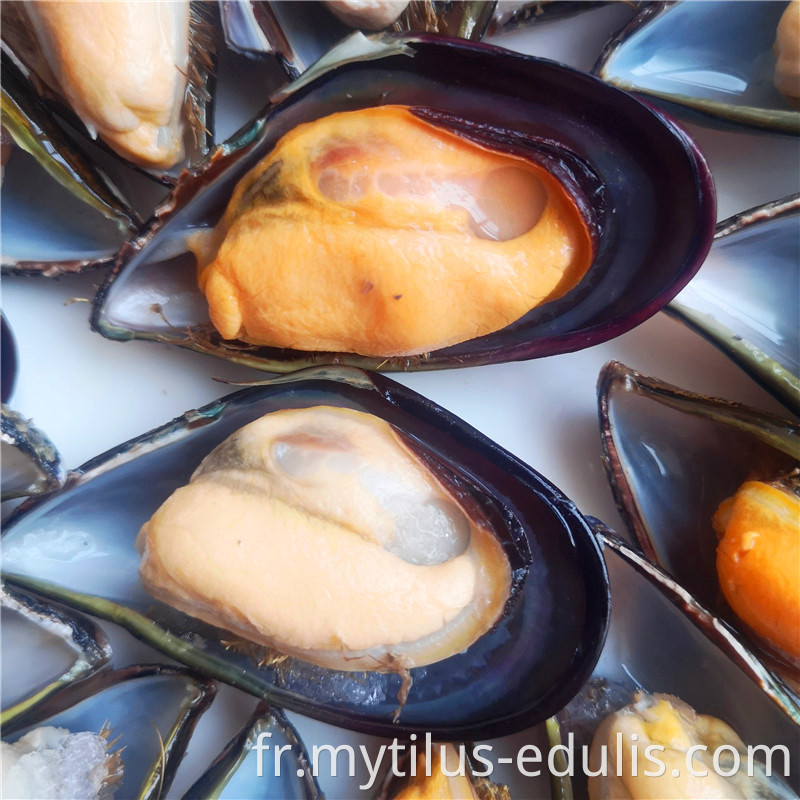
pixel 245 769
pixel 31 463
pixel 442 771
pixel 299 34
pixel 713 59
pixel 368 14
pixel 48 638
pixel 526 665
pixel 758 550
pixel 132 73
pixel 76 763
pixel 318 532
pixel 673 459
pixel 787 52
pixel 650 227
pixel 45 232
pixel 659 746
pixel 663 641
pixel 8 360
pixel 743 299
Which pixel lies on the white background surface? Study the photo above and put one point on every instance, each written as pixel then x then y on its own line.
pixel 89 394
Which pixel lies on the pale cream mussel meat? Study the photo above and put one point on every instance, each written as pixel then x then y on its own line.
pixel 787 53
pixel 367 14
pixel 671 727
pixel 318 532
pixel 135 91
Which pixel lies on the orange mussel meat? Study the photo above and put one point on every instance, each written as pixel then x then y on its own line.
pixel 758 562
pixel 378 233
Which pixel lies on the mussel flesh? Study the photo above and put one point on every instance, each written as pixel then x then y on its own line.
pixel 368 14
pixel 378 233
pixel 318 532
pixel 787 50
pixel 122 67
pixel 666 749
pixel 758 557
pixel 442 771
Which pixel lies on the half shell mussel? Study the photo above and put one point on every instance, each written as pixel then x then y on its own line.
pixel 708 490
pixel 664 642
pixel 526 663
pixel 612 174
pixel 138 92
pixel 113 129
pixel 728 63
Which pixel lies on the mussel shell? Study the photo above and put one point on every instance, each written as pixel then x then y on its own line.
pixel 61 211
pixel 744 301
pixel 524 669
pixel 152 708
pixel 672 457
pixel 31 465
pixel 713 60
pixel 33 129
pixel 234 773
pixel 59 647
pixel 8 360
pixel 509 16
pixel 661 639
pixel 45 232
pixel 649 188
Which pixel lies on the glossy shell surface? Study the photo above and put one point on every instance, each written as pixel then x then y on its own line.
pixel 59 647
pixel 31 465
pixel 712 58
pixel 8 361
pixel 298 34
pixel 656 228
pixel 47 231
pixel 744 300
pixel 235 772
pixel 524 669
pixel 672 457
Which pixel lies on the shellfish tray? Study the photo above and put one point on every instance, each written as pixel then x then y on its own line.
pixel 532 424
